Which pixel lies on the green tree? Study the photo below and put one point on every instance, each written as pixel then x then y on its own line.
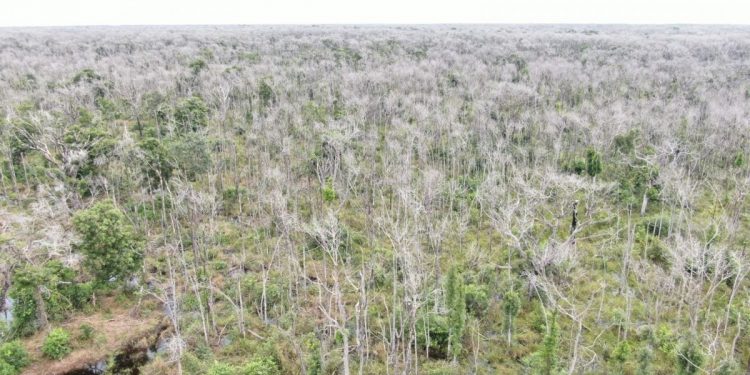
pixel 456 302
pixel 92 139
pixel 690 357
pixel 265 92
pixel 110 247
pixel 645 356
pixel 729 367
pixel 550 346
pixel 43 293
pixel 313 361
pixel 157 167
pixel 191 114
pixel 593 162
pixel 511 307
pixel 197 65
pixel 190 154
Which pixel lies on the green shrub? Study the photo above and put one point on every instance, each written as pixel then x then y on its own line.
pixel 665 339
pixel 14 354
pixel 219 368
pixel 578 166
pixel 645 356
pixel 86 332
pixel 260 366
pixel 690 358
pixel 8 369
pixel 313 358
pixel 192 365
pixel 477 299
pixel 86 75
pixel 622 352
pixel 440 368
pixel 329 193
pixel 729 367
pixel 435 328
pixel 57 344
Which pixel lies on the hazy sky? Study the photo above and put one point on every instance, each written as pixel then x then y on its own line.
pixel 140 12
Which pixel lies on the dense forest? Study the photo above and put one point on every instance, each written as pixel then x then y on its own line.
pixel 375 200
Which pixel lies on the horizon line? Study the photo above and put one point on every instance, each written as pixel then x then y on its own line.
pixel 318 24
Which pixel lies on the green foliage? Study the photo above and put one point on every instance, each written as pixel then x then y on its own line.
pixel 231 198
pixel 190 154
pixel 645 357
pixel 54 285
pixel 739 160
pixel 57 344
pixel 636 179
pixel 109 109
pixel 197 65
pixel 220 368
pixel 576 165
pixel 433 333
pixel 156 167
pixel 440 368
pixel 511 307
pixel 260 366
pixel 329 193
pixel 94 143
pixel 622 352
pixel 110 247
pixel 690 357
pixel 86 332
pixel 191 114
pixel 86 75
pixel 313 113
pixel 729 367
pixel 477 299
pixel 625 143
pixel 549 348
pixel 14 354
pixel 8 369
pixel 665 339
pixel 250 57
pixel 522 67
pixel 593 162
pixel 265 93
pixel 313 360
pixel 455 301
pixel 339 109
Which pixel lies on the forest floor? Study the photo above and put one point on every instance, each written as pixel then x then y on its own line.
pixel 114 328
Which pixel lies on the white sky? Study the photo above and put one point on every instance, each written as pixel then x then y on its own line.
pixel 146 12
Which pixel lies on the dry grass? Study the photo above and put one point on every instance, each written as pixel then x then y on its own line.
pixel 112 331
